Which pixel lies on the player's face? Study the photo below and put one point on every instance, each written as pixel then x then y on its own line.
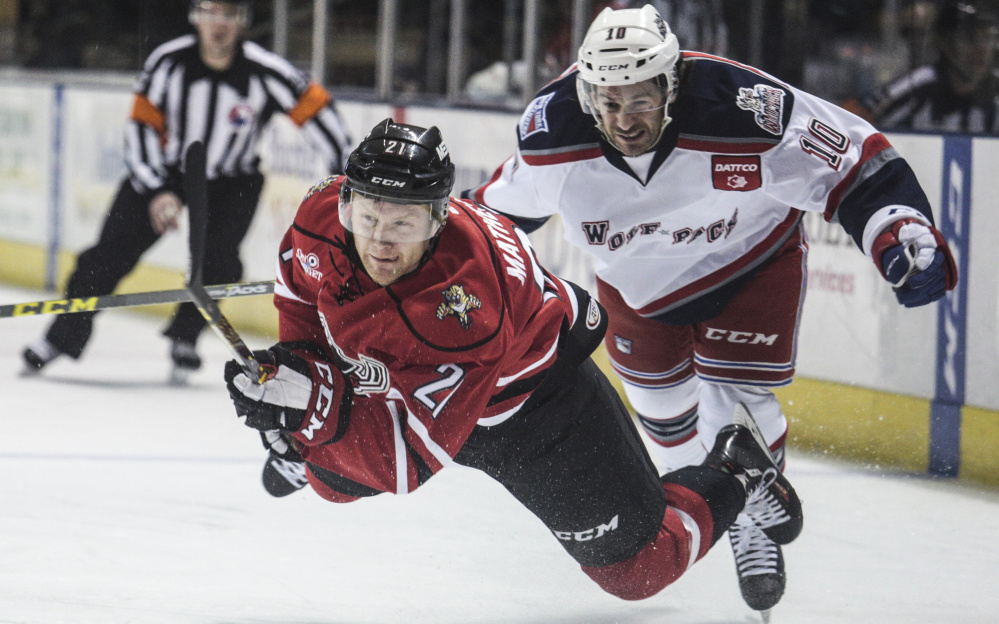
pixel 220 26
pixel 390 238
pixel 632 116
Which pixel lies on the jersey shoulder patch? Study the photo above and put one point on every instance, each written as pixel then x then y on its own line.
pixel 333 180
pixel 726 101
pixel 554 122
pixel 319 210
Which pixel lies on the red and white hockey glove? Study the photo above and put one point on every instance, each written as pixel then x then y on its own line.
pixel 915 258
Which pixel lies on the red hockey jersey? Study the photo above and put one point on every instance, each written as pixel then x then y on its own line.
pixel 458 343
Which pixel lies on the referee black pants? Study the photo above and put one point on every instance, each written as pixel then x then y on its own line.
pixel 127 234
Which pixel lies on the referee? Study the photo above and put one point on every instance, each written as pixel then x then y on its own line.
pixel 958 93
pixel 213 87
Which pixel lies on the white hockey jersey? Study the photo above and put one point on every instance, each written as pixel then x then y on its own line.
pixel 744 155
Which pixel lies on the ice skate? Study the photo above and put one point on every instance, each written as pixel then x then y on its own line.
pixel 282 477
pixel 185 361
pixel 771 502
pixel 38 354
pixel 759 563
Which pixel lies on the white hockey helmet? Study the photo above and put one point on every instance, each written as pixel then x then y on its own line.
pixel 625 47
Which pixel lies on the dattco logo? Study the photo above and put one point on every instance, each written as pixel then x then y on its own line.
pixel 736 173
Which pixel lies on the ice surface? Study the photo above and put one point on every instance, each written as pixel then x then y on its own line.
pixel 124 500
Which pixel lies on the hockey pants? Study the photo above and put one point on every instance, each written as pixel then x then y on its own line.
pixel 573 457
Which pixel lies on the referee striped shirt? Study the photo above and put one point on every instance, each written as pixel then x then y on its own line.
pixel 921 100
pixel 179 100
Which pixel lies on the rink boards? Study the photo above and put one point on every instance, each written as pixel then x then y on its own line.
pixel 876 382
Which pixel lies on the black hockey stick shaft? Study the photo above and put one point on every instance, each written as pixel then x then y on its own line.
pixel 196 189
pixel 130 300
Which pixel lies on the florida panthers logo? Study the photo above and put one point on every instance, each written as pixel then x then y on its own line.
pixel 458 303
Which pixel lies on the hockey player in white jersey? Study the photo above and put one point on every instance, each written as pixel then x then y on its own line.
pixel 686 177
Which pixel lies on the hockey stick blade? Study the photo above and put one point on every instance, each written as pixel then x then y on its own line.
pixel 196 189
pixel 130 300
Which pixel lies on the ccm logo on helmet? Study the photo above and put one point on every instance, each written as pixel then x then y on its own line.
pixel 388 182
pixel 612 67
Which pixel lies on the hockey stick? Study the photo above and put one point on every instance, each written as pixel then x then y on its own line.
pixel 196 189
pixel 130 300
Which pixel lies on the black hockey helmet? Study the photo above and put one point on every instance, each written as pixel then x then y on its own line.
pixel 400 164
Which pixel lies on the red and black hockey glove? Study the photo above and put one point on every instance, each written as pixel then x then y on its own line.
pixel 281 402
pixel 915 258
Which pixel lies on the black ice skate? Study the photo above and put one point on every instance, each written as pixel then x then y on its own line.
pixel 283 476
pixel 759 564
pixel 284 470
pixel 771 502
pixel 38 354
pixel 185 361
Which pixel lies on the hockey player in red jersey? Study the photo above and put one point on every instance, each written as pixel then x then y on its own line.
pixel 686 177
pixel 418 330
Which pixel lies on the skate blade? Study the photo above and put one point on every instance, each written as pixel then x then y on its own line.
pixel 765 614
pixel 745 418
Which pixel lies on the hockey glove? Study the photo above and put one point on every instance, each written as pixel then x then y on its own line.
pixel 281 402
pixel 280 444
pixel 915 258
